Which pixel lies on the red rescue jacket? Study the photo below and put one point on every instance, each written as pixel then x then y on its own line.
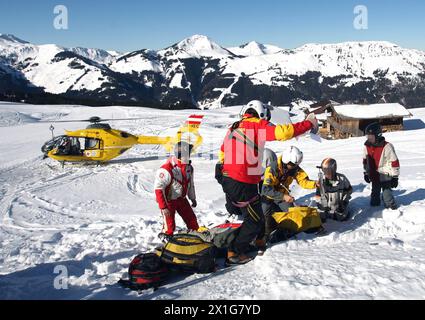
pixel 242 150
pixel 174 180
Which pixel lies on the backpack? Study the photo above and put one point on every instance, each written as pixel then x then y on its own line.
pixel 146 271
pixel 298 219
pixel 188 252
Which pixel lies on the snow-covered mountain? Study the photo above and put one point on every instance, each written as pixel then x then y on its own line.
pixel 254 48
pixel 98 55
pixel 73 72
pixel 197 46
pixel 198 72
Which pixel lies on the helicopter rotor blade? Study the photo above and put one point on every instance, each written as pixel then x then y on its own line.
pixel 123 119
pixel 59 121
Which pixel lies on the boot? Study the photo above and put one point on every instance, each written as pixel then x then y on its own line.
pixel 261 246
pixel 392 207
pixel 234 258
pixel 323 215
pixel 164 237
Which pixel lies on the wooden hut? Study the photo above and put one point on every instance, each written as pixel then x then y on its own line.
pixel 351 120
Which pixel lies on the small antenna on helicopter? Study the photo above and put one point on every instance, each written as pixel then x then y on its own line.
pixel 52 128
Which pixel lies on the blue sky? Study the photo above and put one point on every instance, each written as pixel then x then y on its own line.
pixel 128 25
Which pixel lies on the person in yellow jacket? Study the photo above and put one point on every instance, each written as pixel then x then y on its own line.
pixel 278 177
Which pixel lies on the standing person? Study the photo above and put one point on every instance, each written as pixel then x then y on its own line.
pixel 277 180
pixel 381 167
pixel 334 192
pixel 241 155
pixel 173 184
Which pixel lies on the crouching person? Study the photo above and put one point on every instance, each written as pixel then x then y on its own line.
pixel 381 167
pixel 334 192
pixel 277 179
pixel 173 185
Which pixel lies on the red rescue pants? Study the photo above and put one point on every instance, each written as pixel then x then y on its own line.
pixel 183 208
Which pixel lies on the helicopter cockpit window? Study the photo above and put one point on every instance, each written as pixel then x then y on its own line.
pixel 91 143
pixel 68 146
pixel 64 146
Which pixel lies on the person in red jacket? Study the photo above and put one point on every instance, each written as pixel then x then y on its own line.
pixel 240 160
pixel 381 167
pixel 173 184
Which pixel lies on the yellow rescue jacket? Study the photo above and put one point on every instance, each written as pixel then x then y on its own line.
pixel 277 180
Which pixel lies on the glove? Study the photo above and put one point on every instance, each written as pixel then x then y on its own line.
pixel 287 198
pixel 312 118
pixel 219 172
pixel 194 203
pixel 166 212
pixel 394 182
pixel 366 178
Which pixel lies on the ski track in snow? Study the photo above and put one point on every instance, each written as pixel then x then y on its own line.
pixel 94 219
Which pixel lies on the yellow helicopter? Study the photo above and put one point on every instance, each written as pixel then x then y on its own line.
pixel 100 143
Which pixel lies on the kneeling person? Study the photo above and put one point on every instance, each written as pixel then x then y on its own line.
pixel 333 193
pixel 277 179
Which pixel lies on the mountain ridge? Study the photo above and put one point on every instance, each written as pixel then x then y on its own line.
pixel 199 73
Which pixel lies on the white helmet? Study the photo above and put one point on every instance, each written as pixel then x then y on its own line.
pixel 263 110
pixel 293 155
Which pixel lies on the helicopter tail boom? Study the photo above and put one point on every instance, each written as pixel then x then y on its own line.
pixel 187 132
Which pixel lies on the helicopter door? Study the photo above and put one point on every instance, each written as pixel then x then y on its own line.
pixel 92 148
pixel 75 147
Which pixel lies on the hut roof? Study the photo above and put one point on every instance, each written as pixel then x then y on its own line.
pixel 372 111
